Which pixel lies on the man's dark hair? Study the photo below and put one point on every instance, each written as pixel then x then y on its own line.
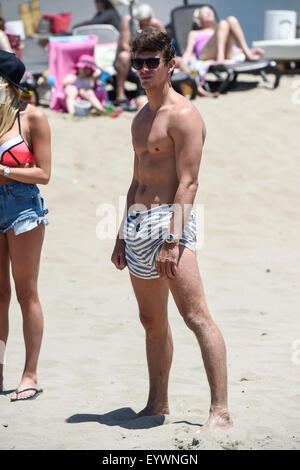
pixel 152 39
pixel 106 3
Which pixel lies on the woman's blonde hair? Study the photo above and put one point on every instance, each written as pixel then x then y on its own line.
pixel 197 13
pixel 9 105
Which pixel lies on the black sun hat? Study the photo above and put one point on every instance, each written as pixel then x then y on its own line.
pixel 12 69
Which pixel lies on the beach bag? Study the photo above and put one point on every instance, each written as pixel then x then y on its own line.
pixel 59 23
pixel 184 84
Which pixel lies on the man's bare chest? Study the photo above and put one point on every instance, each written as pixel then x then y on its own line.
pixel 152 137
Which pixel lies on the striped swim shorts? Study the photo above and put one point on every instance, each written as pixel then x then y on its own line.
pixel 144 234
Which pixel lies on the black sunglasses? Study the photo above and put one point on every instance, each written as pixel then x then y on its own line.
pixel 151 62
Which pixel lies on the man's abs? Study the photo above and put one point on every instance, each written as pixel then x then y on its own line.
pixel 157 180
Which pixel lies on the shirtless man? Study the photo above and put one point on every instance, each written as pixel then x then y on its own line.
pixel 144 17
pixel 168 134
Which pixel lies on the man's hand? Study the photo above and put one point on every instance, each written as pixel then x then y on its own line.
pixel 167 260
pixel 118 256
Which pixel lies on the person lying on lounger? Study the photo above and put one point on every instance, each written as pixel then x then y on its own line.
pixel 215 41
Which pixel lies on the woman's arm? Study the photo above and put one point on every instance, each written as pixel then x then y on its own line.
pixel 41 146
pixel 69 79
pixel 4 42
pixel 188 53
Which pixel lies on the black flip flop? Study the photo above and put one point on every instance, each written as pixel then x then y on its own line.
pixel 32 397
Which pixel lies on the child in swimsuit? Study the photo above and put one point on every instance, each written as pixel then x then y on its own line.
pixel 83 84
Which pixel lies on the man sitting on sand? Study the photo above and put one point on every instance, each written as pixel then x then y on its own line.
pixel 144 18
pixel 159 227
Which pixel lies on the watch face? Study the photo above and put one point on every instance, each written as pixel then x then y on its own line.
pixel 170 238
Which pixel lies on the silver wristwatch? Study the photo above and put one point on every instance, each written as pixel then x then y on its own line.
pixel 6 171
pixel 171 239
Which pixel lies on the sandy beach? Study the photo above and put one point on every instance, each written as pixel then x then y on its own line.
pixel 93 365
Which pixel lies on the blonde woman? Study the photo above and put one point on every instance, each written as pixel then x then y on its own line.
pixel 25 156
pixel 215 41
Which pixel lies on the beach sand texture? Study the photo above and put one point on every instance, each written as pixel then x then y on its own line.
pixel 93 366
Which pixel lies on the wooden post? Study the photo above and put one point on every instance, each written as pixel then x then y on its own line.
pixel 35 13
pixel 25 14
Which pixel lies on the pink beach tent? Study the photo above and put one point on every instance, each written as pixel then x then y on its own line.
pixel 63 57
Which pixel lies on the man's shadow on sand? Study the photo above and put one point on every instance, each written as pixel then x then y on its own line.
pixel 125 418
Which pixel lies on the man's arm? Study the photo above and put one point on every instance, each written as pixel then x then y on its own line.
pixel 188 134
pixel 188 53
pixel 130 195
pixel 155 23
pixel 118 256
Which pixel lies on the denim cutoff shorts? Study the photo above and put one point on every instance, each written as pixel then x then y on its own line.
pixel 21 207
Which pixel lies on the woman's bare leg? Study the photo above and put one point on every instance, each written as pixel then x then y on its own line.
pixel 219 47
pixel 215 48
pixel 4 299
pixel 90 96
pixel 25 251
pixel 71 94
pixel 238 36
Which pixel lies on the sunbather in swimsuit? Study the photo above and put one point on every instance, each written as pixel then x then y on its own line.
pixel 201 41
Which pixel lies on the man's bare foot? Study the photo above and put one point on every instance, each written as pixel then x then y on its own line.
pixel 151 411
pixel 219 420
pixel 26 382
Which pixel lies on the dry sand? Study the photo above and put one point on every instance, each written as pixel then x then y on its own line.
pixel 92 364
